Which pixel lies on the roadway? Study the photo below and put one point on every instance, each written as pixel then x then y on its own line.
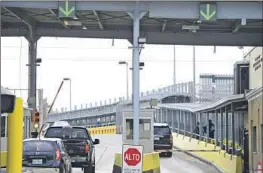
pixel 110 144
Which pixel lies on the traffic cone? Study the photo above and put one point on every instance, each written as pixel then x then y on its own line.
pixel 259 167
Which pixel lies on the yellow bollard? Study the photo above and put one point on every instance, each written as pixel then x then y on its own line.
pixel 15 138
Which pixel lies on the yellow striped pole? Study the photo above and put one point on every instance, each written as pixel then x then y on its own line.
pixel 15 138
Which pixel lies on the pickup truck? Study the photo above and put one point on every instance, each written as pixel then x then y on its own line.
pixel 78 144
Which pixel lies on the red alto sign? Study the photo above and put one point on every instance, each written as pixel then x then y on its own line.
pixel 132 156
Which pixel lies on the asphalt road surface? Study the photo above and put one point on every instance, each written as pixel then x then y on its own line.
pixel 179 163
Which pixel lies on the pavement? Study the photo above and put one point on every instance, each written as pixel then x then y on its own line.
pixel 179 162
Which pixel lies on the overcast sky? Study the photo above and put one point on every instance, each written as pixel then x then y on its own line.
pixel 92 65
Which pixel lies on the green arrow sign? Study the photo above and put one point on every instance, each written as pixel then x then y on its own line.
pixel 207 11
pixel 67 8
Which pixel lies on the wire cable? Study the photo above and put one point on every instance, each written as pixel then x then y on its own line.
pixel 20 66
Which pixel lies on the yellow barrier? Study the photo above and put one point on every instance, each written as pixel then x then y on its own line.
pixel 15 138
pixel 221 159
pixel 102 130
pixel 3 159
pixel 151 163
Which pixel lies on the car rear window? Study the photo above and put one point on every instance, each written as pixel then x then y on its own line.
pixel 162 130
pixel 73 133
pixel 39 146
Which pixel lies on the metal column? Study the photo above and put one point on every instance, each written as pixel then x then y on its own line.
pixel 233 129
pixel 136 74
pixel 166 116
pixel 32 71
pixel 194 83
pixel 216 127
pixel 172 120
pixel 179 117
pixel 226 129
pixel 200 127
pixel 222 128
pixel 191 116
pixel 207 128
pixel 185 121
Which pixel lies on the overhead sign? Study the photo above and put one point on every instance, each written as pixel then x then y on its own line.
pixel 132 157
pixel 207 11
pixel 67 8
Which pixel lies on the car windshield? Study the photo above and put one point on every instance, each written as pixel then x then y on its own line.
pixel 162 130
pixel 39 146
pixel 64 133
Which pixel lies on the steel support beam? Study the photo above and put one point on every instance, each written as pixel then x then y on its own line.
pixel 32 70
pixel 22 16
pixel 207 127
pixel 221 128
pixel 167 9
pixel 217 39
pixel 233 129
pixel 216 127
pixel 164 25
pixel 59 20
pixel 226 127
pixel 98 19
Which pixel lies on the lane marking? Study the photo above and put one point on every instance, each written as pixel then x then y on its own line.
pixel 106 147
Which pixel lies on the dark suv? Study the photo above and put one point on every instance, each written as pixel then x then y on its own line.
pixel 78 144
pixel 163 139
pixel 45 155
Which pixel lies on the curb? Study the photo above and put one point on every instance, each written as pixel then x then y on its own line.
pixel 202 160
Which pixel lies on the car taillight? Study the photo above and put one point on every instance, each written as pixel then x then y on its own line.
pixel 86 148
pixel 171 139
pixel 58 155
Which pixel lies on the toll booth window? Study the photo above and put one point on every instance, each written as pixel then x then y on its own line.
pixel 129 128
pixel 144 131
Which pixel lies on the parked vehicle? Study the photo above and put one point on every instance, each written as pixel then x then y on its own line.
pixel 163 139
pixel 46 155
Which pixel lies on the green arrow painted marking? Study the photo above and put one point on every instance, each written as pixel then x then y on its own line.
pixel 66 11
pixel 208 15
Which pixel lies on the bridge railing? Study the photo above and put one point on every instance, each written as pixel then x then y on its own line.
pixel 186 87
pixel 228 149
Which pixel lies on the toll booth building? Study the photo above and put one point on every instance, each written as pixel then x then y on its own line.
pixel 255 114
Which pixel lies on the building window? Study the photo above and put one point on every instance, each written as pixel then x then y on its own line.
pixel 254 139
pixel 144 128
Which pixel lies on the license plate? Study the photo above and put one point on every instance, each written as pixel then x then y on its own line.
pixel 156 138
pixel 37 161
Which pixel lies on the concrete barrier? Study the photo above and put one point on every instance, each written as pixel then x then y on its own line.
pixel 102 130
pixel 3 159
pixel 151 163
pixel 225 162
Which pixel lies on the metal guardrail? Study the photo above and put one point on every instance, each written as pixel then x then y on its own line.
pixel 185 87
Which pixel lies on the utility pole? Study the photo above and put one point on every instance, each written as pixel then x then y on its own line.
pixel 40 107
pixel 194 84
pixel 174 76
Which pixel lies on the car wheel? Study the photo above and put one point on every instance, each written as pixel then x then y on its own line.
pixel 70 170
pixel 93 169
pixel 88 169
pixel 169 154
pixel 62 169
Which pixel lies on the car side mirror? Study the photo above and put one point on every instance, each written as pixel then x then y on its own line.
pixel 34 134
pixel 96 141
